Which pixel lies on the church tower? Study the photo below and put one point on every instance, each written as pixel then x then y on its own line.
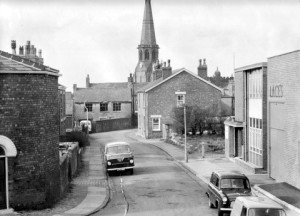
pixel 148 49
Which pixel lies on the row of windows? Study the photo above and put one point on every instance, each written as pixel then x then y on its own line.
pixel 103 107
pixel 255 123
pixel 255 83
pixel 255 146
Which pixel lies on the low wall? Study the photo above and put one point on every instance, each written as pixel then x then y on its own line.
pixel 69 163
pixel 112 125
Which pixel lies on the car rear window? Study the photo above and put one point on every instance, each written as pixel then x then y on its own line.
pixel 118 149
pixel 235 183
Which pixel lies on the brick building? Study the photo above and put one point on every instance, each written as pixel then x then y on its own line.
pixel 29 132
pixel 157 99
pixel 103 101
pixel 245 133
pixel 284 117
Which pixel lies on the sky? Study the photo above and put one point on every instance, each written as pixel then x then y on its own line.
pixel 100 37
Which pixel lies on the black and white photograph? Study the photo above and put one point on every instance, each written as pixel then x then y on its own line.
pixel 150 107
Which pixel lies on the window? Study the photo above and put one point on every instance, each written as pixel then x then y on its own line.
pixel 255 79
pixel 103 107
pixel 116 106
pixel 146 55
pixel 140 55
pixel 89 107
pixel 180 100
pixel 156 124
pixel 153 55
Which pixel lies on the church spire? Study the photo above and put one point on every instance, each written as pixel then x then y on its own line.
pixel 148 33
pixel 147 49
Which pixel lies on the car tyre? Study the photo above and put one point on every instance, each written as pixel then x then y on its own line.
pixel 220 213
pixel 210 203
pixel 131 171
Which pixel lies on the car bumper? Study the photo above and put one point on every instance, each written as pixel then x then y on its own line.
pixel 225 209
pixel 119 168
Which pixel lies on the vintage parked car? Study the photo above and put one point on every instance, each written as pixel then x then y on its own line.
pixel 256 206
pixel 119 157
pixel 224 187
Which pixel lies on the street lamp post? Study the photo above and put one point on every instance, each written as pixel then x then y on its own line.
pixel 87 118
pixel 185 146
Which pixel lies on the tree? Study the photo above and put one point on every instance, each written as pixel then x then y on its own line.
pixel 196 118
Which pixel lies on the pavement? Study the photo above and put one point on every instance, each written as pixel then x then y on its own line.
pixel 89 191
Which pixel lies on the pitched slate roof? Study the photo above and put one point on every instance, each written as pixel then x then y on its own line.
pixel 96 95
pixel 109 85
pixel 10 63
pixel 175 73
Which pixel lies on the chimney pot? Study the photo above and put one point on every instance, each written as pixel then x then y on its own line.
pixel 200 62
pixel 13 47
pixel 40 53
pixel 169 61
pixel 204 61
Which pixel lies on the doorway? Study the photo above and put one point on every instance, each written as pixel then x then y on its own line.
pixel 2 181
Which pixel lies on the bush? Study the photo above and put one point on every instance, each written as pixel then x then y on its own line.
pixel 78 136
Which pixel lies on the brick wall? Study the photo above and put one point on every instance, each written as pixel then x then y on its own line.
pixel 162 99
pixel 29 117
pixel 112 125
pixel 284 70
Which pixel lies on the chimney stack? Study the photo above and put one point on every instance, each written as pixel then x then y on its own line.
pixel 166 70
pixel 202 69
pixel 21 50
pixel 13 47
pixel 74 88
pixel 87 81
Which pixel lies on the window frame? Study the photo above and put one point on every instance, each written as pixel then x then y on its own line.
pixel 158 128
pixel 180 103
pixel 116 105
pixel 101 104
pixel 88 107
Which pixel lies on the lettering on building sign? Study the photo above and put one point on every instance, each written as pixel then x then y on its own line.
pixel 276 91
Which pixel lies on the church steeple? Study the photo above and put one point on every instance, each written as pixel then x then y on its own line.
pixel 147 49
pixel 148 33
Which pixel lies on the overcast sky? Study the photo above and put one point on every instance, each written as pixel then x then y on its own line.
pixel 100 37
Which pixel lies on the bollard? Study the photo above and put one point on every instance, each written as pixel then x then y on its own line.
pixel 203 150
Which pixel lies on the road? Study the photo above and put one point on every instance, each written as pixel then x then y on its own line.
pixel 159 185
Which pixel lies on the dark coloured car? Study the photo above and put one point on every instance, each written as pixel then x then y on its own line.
pixel 119 157
pixel 224 187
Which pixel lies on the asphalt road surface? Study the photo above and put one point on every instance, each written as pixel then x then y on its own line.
pixel 159 185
